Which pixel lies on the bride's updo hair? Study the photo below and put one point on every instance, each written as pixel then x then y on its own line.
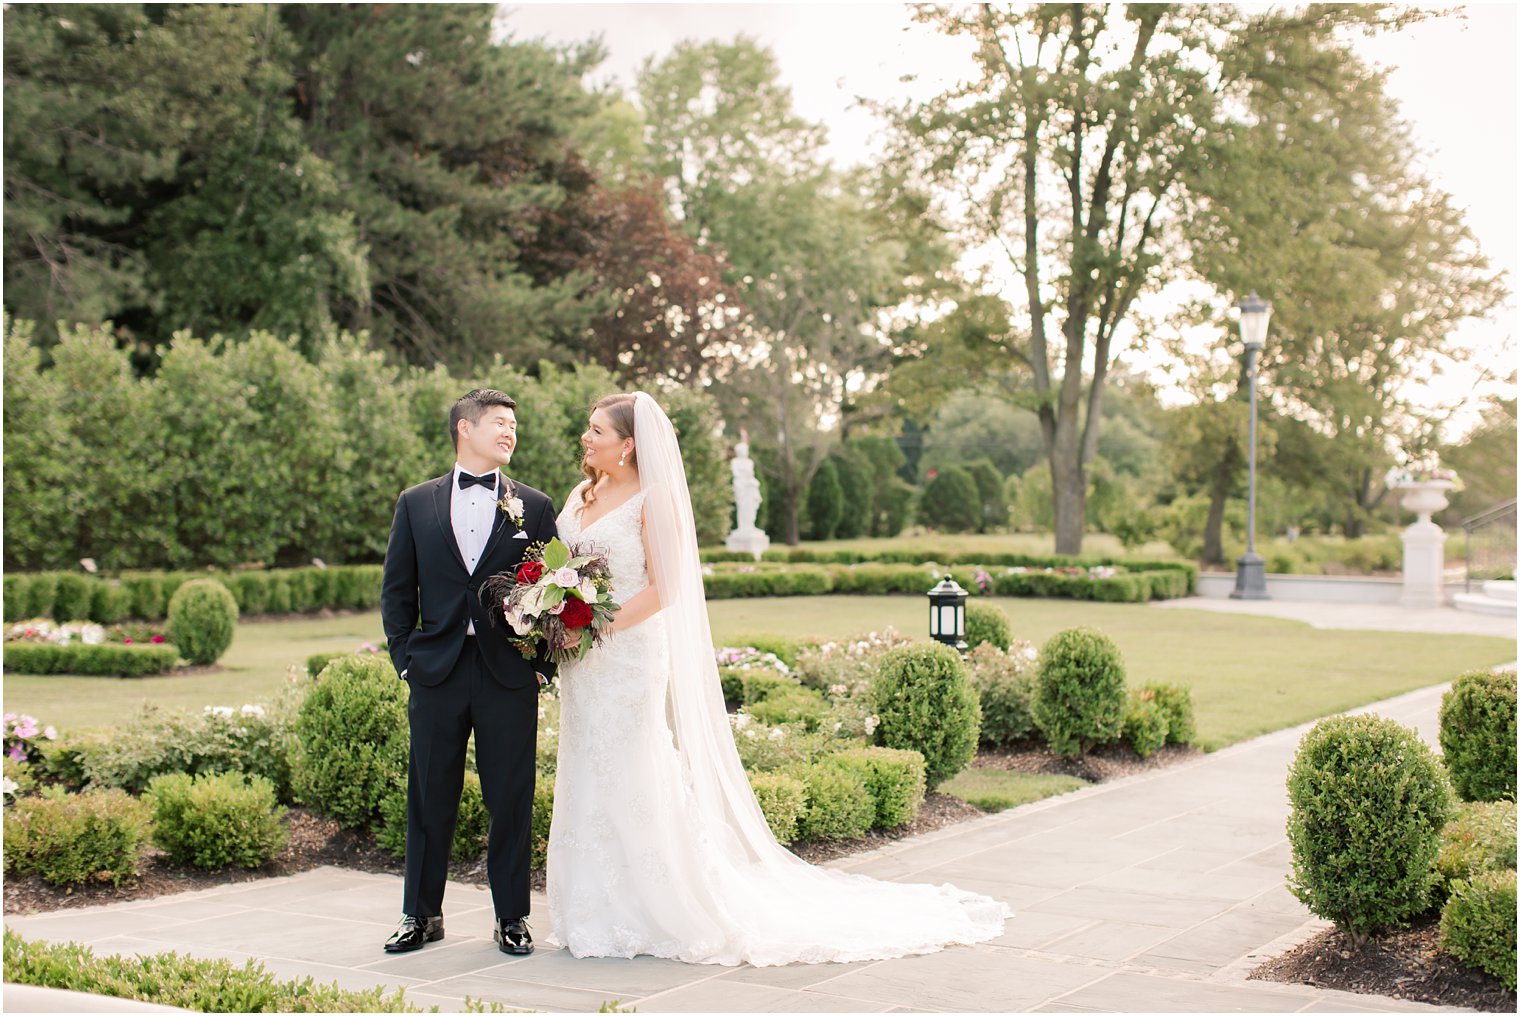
pixel 619 410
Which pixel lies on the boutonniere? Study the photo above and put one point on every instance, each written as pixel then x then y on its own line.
pixel 511 505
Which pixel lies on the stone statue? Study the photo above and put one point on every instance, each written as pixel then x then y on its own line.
pixel 746 536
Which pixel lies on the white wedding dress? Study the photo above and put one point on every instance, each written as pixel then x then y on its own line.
pixel 641 862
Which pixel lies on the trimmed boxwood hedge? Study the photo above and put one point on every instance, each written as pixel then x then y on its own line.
pixel 805 555
pixel 67 596
pixel 881 579
pixel 105 660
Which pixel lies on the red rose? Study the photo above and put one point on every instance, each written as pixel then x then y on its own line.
pixel 530 571
pixel 577 613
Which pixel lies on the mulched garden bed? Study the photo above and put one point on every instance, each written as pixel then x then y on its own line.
pixel 1403 964
pixel 1106 762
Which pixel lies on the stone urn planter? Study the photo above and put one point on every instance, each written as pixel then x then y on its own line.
pixel 1424 542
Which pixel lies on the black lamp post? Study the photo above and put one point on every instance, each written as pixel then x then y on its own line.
pixel 1251 570
pixel 947 614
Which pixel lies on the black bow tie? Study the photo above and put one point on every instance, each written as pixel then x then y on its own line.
pixel 488 481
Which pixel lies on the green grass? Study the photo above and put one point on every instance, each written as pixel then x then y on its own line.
pixel 256 665
pixel 996 790
pixel 1249 675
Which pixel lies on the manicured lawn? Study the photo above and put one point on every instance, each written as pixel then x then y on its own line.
pixel 996 790
pixel 256 666
pixel 1249 675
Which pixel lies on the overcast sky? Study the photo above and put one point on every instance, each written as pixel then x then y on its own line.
pixel 1455 80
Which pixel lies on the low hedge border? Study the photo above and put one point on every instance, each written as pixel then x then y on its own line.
pixel 67 596
pixel 881 579
pixel 199 985
pixel 804 555
pixel 105 660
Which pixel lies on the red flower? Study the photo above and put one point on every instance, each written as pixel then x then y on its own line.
pixel 530 571
pixel 577 613
pixel 127 642
pixel 156 639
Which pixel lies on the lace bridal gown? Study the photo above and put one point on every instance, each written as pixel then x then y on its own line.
pixel 645 857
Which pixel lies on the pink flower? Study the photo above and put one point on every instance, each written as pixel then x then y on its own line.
pixel 566 578
pixel 126 641
pixel 156 639
pixel 50 733
pixel 17 754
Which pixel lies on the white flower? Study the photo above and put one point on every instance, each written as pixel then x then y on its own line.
pixel 741 720
pixel 50 733
pixel 92 634
pixel 224 711
pixel 749 734
pixel 566 578
pixel 587 589
pixel 520 624
pixel 776 733
pixel 252 710
pixel 872 722
pixel 515 507
pixel 8 785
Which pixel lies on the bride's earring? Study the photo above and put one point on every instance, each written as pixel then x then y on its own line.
pixel 623 459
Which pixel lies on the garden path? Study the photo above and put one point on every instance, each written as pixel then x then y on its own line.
pixel 1159 892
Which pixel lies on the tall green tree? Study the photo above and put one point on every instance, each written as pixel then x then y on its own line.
pixel 1074 148
pixel 155 177
pixel 456 152
pixel 820 258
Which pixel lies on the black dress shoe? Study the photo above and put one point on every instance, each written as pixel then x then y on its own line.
pixel 512 936
pixel 414 933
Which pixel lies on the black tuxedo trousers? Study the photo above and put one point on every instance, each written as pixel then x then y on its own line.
pixel 461 683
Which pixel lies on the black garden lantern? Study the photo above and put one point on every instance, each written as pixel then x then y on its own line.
pixel 947 614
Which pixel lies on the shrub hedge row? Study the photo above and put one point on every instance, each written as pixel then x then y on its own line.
pixel 105 660
pixel 65 596
pixel 879 579
pixel 807 555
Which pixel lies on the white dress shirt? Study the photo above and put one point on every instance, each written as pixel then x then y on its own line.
pixel 472 512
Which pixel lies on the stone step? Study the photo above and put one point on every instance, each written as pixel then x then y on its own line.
pixel 1500 589
pixel 1480 603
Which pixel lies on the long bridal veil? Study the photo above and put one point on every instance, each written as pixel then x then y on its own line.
pixel 788 910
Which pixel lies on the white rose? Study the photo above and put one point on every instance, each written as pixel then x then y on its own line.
pixel 566 578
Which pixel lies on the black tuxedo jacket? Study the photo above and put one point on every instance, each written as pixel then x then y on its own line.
pixel 425 578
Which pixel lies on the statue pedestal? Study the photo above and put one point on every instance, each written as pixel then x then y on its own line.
pixel 750 541
pixel 1424 545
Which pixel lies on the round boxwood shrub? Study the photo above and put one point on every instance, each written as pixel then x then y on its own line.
pixel 838 805
pixel 1145 723
pixel 1079 694
pixel 894 779
pixel 925 702
pixel 1367 802
pixel 1176 702
pixel 1480 837
pixel 782 799
pixel 216 820
pixel 986 623
pixel 792 705
pixel 72 597
pixel 351 740
pixel 1478 735
pixel 202 616
pixel 1478 924
pixel 470 831
pixel 71 839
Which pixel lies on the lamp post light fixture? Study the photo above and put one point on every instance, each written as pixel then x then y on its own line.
pixel 947 614
pixel 1250 569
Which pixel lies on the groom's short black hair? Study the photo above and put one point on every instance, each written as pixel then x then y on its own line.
pixel 472 405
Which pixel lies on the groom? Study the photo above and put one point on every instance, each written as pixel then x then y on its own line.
pixel 449 534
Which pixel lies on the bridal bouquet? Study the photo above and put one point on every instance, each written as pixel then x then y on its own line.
pixel 554 597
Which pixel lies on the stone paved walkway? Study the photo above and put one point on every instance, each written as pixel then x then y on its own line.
pixel 1155 893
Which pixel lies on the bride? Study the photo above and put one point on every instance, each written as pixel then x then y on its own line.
pixel 657 845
